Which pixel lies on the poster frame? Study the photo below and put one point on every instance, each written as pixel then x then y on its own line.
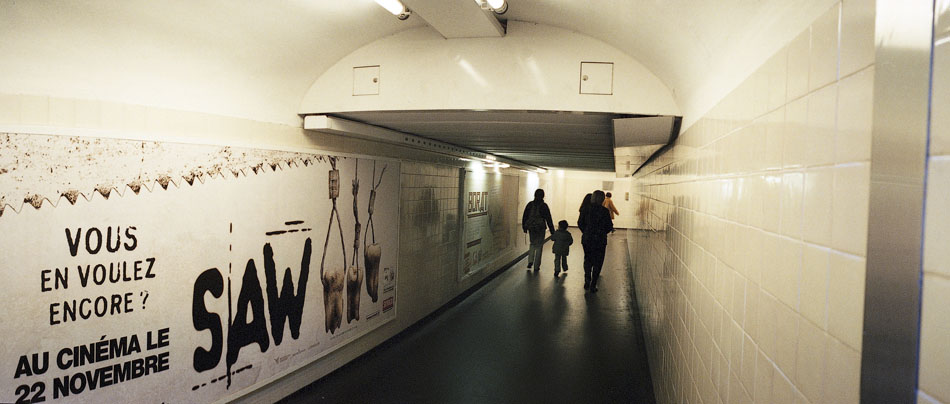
pixel 307 361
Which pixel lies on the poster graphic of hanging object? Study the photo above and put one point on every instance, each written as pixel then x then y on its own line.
pixel 373 252
pixel 179 273
pixel 354 276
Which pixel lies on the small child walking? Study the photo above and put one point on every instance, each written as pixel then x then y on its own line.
pixel 562 246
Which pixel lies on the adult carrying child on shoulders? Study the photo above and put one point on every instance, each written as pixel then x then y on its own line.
pixel 594 221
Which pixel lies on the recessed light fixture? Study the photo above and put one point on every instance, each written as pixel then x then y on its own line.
pixel 498 6
pixel 396 8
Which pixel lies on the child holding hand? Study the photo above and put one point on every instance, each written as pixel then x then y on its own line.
pixel 562 246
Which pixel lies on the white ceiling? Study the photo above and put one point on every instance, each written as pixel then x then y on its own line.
pixel 462 19
pixel 256 59
pixel 245 58
pixel 700 48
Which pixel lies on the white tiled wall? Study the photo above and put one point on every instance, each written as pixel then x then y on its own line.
pixel 751 281
pixel 429 231
pixel 934 376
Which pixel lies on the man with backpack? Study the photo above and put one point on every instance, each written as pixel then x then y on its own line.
pixel 534 221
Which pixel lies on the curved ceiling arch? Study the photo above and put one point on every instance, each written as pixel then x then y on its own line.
pixel 248 59
pixel 701 49
pixel 256 59
pixel 534 67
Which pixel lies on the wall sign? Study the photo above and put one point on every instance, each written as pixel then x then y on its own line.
pixel 184 273
pixel 487 209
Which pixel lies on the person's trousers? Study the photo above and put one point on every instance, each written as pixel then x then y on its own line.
pixel 587 263
pixel 559 262
pixel 593 262
pixel 537 245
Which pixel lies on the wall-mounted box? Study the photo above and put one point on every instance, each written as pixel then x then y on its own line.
pixel 597 78
pixel 366 80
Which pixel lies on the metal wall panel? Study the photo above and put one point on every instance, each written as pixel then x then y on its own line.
pixel 898 172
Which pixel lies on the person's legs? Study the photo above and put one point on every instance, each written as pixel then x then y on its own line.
pixel 597 263
pixel 534 252
pixel 557 264
pixel 531 248
pixel 588 256
pixel 537 256
pixel 564 263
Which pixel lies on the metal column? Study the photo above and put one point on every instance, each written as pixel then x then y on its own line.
pixel 889 362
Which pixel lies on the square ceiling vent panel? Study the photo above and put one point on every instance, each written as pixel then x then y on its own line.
pixel 597 78
pixel 366 80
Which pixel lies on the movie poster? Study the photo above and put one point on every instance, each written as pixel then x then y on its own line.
pixel 488 202
pixel 160 272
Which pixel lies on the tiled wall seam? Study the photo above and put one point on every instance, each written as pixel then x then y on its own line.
pixel 747 280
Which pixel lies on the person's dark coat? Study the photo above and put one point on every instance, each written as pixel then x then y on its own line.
pixel 562 242
pixel 595 222
pixel 543 210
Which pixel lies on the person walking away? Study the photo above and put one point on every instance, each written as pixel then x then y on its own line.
pixel 535 220
pixel 596 225
pixel 609 204
pixel 581 219
pixel 584 205
pixel 562 247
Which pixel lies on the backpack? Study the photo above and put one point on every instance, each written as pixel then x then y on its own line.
pixel 535 221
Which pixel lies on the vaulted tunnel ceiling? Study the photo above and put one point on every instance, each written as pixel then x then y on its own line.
pixel 572 140
pixel 257 59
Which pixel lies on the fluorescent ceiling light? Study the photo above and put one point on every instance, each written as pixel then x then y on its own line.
pixel 395 7
pixel 496 4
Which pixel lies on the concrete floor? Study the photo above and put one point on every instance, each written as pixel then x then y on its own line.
pixel 524 337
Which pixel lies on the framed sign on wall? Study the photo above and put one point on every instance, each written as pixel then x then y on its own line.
pixel 487 215
pixel 184 273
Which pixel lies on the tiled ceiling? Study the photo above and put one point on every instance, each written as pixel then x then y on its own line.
pixel 568 140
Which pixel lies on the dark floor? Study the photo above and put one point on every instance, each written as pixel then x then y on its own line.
pixel 524 337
